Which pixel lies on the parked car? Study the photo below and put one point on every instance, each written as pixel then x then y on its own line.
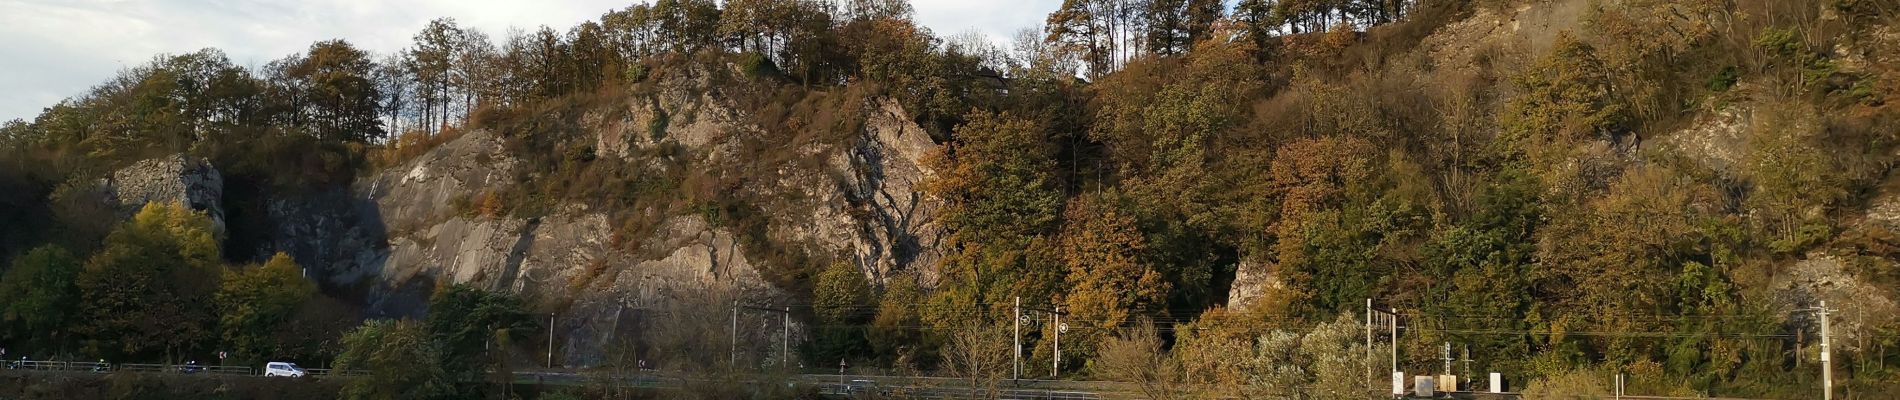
pixel 283 369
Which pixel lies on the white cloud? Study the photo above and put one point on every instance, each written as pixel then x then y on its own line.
pixel 998 19
pixel 53 49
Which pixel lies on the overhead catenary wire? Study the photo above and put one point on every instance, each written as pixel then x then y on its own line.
pixel 1189 319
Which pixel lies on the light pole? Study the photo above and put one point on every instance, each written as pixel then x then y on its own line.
pixel 735 335
pixel 1055 367
pixel 1391 317
pixel 1827 363
pixel 785 342
pixel 1016 351
pixel 550 340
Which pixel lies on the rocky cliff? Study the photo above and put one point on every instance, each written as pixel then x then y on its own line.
pixel 177 178
pixel 394 235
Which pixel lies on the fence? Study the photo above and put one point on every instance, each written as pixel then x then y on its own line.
pixel 86 366
pixel 334 372
pixel 90 366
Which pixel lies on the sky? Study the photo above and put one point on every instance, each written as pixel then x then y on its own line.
pixel 54 49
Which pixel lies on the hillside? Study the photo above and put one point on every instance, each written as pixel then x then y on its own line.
pixel 1210 197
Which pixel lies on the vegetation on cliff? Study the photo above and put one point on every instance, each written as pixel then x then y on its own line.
pixel 1545 195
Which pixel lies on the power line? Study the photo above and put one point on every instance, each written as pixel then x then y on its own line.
pixel 1606 333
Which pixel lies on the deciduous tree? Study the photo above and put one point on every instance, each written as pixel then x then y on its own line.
pixel 1135 355
pixel 256 301
pixel 401 359
pixel 431 63
pixel 979 355
pixel 1001 203
pixel 1109 283
pixel 842 299
pixel 39 297
pixel 333 90
pixel 144 294
pixel 466 321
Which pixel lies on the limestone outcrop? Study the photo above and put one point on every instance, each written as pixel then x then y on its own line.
pixel 399 233
pixel 175 178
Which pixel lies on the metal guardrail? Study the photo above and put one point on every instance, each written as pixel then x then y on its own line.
pixel 186 369
pixel 222 370
pixel 34 365
pixel 145 368
pixel 333 372
pixel 93 366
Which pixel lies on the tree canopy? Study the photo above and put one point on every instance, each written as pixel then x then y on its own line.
pixel 1657 188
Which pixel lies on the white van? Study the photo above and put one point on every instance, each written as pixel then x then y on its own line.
pixel 283 369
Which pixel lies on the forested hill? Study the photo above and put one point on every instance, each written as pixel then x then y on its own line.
pixel 1208 193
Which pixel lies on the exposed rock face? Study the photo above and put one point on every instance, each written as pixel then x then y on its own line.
pixel 880 214
pixel 1718 140
pixel 1252 280
pixel 692 113
pixel 866 201
pixel 1883 213
pixel 571 255
pixel 419 193
pixel 398 233
pixel 332 233
pixel 1859 307
pixel 175 178
pixel 1459 47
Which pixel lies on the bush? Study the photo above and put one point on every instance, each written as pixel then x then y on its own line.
pixel 638 73
pixel 756 65
pixel 1779 42
pixel 400 358
pixel 1724 79
pixel 656 127
pixel 1572 385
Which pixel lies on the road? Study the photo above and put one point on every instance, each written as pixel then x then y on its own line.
pixel 912 387
pixel 831 384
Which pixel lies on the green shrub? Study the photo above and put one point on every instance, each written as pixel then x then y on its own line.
pixel 400 358
pixel 756 65
pixel 638 73
pixel 1571 385
pixel 1780 42
pixel 1724 79
pixel 657 126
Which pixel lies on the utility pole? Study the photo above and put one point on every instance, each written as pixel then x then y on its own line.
pixel 1395 339
pixel 785 343
pixel 1827 365
pixel 1371 383
pixel 1468 368
pixel 1391 317
pixel 735 334
pixel 1017 351
pixel 1055 367
pixel 1447 354
pixel 550 340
